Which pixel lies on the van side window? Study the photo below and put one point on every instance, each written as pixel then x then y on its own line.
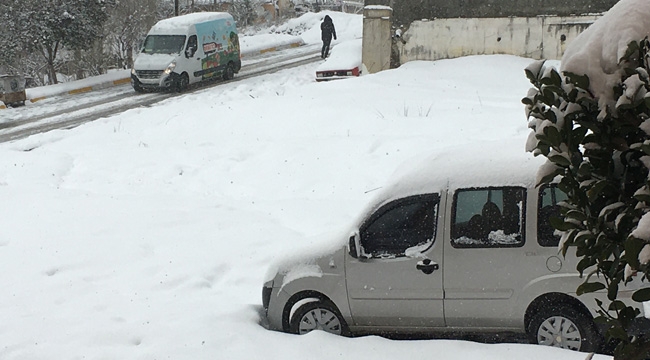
pixel 549 197
pixel 401 227
pixel 191 47
pixel 488 217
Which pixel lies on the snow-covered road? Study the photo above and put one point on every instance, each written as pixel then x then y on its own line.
pixel 66 110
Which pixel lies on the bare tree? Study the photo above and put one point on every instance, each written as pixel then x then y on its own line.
pixel 128 24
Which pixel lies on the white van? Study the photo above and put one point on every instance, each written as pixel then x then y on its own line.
pixel 187 49
pixel 460 243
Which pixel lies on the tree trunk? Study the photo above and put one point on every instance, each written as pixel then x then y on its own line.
pixel 79 73
pixel 129 56
pixel 49 53
pixel 51 74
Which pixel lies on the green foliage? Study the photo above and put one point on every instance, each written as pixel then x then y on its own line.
pixel 597 153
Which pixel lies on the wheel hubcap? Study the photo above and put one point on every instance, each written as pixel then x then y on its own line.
pixel 320 319
pixel 560 332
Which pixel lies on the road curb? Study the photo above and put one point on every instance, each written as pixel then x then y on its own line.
pixel 123 81
pixel 274 48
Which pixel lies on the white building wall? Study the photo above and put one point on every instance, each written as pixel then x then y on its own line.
pixel 542 37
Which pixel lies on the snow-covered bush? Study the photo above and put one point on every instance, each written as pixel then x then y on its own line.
pixel 599 151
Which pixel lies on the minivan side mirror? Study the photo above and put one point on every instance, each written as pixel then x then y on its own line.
pixel 354 245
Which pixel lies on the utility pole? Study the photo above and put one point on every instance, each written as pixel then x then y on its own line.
pixel 175 7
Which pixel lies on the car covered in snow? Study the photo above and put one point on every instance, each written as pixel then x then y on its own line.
pixel 344 61
pixel 439 251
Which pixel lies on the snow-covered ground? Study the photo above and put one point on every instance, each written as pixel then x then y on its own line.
pixel 147 235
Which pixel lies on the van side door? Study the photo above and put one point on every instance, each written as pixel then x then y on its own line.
pixel 485 264
pixel 192 57
pixel 397 282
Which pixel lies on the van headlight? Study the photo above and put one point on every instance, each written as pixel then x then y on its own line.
pixel 133 71
pixel 170 68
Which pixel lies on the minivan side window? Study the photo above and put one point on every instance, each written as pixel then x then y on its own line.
pixel 401 225
pixel 549 197
pixel 488 217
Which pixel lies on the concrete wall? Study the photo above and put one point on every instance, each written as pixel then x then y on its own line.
pixel 541 37
pixel 407 11
pixel 376 49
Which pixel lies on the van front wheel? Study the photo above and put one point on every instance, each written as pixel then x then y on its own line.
pixel 229 73
pixel 565 327
pixel 318 315
pixel 183 83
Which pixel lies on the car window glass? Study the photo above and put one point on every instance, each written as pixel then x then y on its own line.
pixel 163 44
pixel 488 217
pixel 549 198
pixel 401 228
pixel 192 42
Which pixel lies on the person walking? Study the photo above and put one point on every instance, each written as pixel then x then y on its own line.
pixel 327 31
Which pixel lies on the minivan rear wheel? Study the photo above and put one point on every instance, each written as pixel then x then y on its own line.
pixel 318 315
pixel 565 327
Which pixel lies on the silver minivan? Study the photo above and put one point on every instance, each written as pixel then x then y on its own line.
pixel 459 244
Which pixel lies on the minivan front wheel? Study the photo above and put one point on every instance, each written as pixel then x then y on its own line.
pixel 565 327
pixel 318 315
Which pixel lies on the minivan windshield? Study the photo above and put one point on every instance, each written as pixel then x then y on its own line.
pixel 163 44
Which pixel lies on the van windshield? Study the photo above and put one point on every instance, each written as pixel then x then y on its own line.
pixel 163 44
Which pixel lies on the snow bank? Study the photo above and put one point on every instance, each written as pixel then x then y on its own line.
pixel 307 26
pixel 61 88
pixel 256 43
pixel 597 51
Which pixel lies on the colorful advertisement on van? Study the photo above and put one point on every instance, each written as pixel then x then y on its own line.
pixel 220 44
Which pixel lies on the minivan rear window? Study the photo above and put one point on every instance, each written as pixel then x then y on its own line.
pixel 488 217
pixel 549 198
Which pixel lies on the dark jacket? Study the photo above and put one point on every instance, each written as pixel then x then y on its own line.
pixel 327 29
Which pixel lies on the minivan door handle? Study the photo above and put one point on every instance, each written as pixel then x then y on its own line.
pixel 427 266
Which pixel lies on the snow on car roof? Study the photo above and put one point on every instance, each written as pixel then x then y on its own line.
pixel 344 56
pixel 183 21
pixel 480 164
